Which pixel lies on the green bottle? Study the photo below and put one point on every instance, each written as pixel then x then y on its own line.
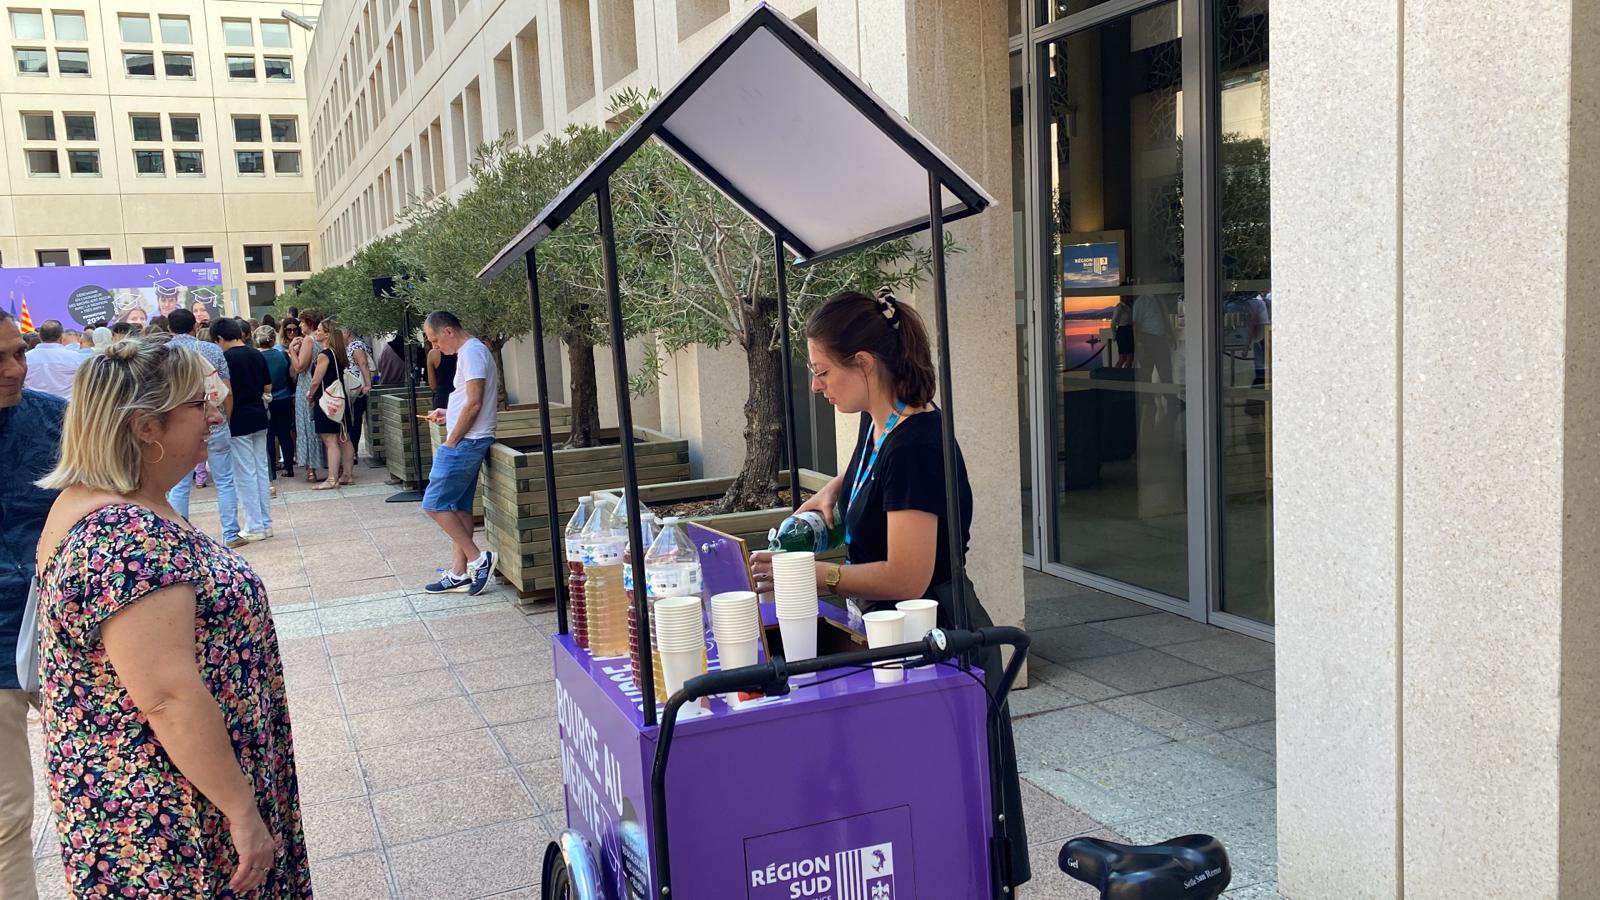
pixel 807 532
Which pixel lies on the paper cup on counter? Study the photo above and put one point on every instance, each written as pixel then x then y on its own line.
pixel 680 624
pixel 922 616
pixel 678 666
pixel 736 654
pixel 799 637
pixel 884 629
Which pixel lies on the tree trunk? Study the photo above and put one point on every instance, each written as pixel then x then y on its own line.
pixel 584 395
pixel 501 398
pixel 756 485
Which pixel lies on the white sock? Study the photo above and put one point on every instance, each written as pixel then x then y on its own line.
pixel 482 560
pixel 458 575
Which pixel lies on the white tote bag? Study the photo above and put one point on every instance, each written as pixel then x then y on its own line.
pixel 28 641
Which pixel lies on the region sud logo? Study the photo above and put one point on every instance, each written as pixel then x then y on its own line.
pixel 865 873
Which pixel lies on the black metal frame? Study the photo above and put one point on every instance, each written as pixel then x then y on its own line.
pixel 385 286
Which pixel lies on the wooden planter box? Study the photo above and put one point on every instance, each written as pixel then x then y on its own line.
pixel 392 415
pixel 513 422
pixel 371 434
pixel 514 510
pixel 750 527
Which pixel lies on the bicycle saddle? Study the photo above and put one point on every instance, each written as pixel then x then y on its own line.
pixel 1192 867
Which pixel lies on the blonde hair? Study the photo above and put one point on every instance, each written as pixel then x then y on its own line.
pixel 133 377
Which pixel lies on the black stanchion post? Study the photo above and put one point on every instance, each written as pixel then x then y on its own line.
pixel 630 486
pixel 952 493
pixel 557 550
pixel 408 496
pixel 791 436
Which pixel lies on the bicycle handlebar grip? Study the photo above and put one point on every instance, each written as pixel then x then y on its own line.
pixel 729 681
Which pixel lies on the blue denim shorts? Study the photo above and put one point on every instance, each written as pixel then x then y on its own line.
pixel 453 480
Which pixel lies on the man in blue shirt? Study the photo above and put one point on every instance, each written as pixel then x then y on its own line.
pixel 30 441
pixel 219 452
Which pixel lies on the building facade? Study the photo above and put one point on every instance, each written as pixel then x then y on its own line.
pixel 172 130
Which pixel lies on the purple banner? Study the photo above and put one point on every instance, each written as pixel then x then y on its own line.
pixel 852 858
pixel 81 296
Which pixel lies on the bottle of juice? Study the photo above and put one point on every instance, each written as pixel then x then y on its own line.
pixel 606 602
pixel 648 526
pixel 577 610
pixel 672 569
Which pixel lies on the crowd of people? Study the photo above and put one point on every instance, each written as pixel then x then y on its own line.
pixel 158 677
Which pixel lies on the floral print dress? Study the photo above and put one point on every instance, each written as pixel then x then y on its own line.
pixel 131 825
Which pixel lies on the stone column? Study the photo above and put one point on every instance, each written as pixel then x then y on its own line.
pixel 1434 212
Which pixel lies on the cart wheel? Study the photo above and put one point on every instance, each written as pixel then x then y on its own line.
pixel 556 882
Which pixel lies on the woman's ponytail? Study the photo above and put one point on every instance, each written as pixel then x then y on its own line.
pixel 852 322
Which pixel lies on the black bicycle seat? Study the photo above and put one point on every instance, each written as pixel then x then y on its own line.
pixel 1192 867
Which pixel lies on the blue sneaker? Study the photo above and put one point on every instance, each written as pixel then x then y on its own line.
pixel 450 583
pixel 481 574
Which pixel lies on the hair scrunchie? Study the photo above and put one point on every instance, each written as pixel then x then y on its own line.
pixel 890 306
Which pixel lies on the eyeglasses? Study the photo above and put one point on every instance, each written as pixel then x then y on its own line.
pixel 199 405
pixel 823 374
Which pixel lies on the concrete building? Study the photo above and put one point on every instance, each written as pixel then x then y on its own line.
pixel 1411 521
pixel 159 131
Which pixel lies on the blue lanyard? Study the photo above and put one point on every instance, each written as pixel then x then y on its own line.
pixel 868 462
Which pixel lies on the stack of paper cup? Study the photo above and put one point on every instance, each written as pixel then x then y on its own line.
pixel 922 616
pixel 681 639
pixel 736 623
pixel 794 592
pixel 885 629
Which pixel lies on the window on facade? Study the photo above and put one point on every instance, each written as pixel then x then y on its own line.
pixel 275 34
pixel 135 29
pixel 32 62
pixel 199 254
pixel 251 162
pixel 293 284
pixel 242 68
pixel 80 126
pixel 286 162
pixel 188 162
pixel 237 33
pixel 50 258
pixel 178 65
pixel 146 128
pixel 70 26
pixel 185 129
pixel 83 162
pixel 247 129
pixel 39 126
pixel 43 162
pixel 72 62
pixel 278 68
pixel 261 293
pixel 27 25
pixel 175 30
pixel 296 257
pixel 258 258
pixel 156 255
pixel 150 162
pixel 139 63
pixel 95 257
pixel 285 129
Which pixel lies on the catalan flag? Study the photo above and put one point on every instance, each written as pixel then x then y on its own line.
pixel 25 321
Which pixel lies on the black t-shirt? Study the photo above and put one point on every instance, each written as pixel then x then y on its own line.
pixel 250 377
pixel 909 474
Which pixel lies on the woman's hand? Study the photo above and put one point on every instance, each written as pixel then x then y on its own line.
pixel 824 501
pixel 761 571
pixel 256 849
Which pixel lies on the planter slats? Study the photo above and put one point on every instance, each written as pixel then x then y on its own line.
pixel 512 423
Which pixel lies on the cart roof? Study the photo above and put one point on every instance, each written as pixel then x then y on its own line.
pixel 791 137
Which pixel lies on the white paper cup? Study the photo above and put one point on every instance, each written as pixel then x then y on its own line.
pixel 884 629
pixel 736 654
pixel 922 616
pixel 799 637
pixel 678 666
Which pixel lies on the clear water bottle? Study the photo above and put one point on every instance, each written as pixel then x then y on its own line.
pixel 807 532
pixel 577 610
pixel 604 545
pixel 649 527
pixel 671 569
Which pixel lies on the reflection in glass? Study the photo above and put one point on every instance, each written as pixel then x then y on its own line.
pixel 1019 241
pixel 1115 376
pixel 1246 298
pixel 1060 9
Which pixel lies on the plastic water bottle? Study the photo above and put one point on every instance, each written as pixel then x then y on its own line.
pixel 807 531
pixel 577 609
pixel 671 569
pixel 603 547
pixel 649 526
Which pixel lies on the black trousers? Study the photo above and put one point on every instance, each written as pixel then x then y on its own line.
pixel 358 413
pixel 280 436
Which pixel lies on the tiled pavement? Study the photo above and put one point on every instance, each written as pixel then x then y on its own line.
pixel 428 749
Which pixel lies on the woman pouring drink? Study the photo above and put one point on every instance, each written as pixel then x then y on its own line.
pixel 870 355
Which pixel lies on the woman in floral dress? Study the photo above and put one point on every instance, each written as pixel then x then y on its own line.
pixel 303 352
pixel 168 743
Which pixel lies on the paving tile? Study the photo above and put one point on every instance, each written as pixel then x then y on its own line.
pixel 471 863
pixel 363 598
pixel 333 588
pixel 1266 678
pixel 289 598
pixel 1221 704
pixel 284 579
pixel 320 737
pixel 523 642
pixel 425 603
pixel 1040 697
pixel 1263 736
pixel 531 667
pixel 1247 825
pixel 364 695
pixel 1063 645
pixel 1075 683
pixel 1146 782
pixel 1263 891
pixel 1048 819
pixel 328 777
pixel 299 624
pixel 532 741
pixel 1237 755
pixel 445 627
pixel 345 643
pixel 360 876
pixel 1153 717
pixel 1049 882
pixel 543 780
pixel 432 759
pixel 518 704
pixel 1141 670
pixel 445 807
pixel 339 828
pixel 1157 630
pixel 410 723
pixel 311 672
pixel 1057 739
pixel 387 661
pixel 371 614
pixel 51 882
pixel 1230 654
pixel 314 702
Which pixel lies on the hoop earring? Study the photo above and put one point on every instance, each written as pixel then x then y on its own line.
pixel 163 452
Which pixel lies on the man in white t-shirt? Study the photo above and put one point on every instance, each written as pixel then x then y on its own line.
pixel 469 431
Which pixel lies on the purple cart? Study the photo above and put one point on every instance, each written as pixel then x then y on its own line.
pixel 829 786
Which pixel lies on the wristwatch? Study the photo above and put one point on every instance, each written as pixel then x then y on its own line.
pixel 832 578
